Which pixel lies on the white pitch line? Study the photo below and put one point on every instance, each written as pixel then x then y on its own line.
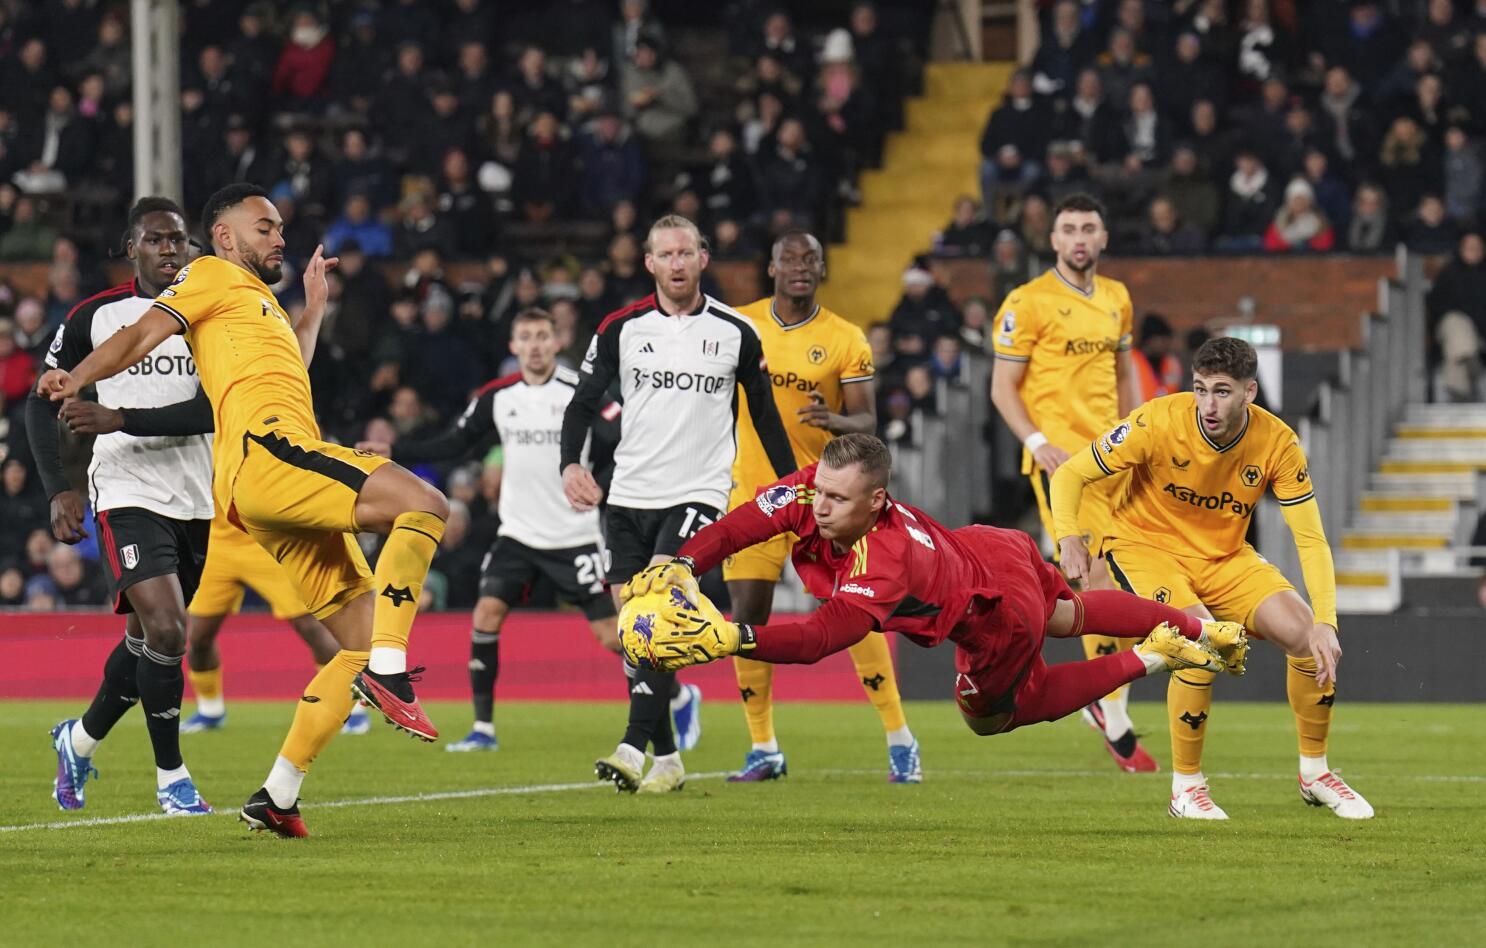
pixel 599 785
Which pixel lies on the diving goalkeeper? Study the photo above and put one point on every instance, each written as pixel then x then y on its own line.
pixel 880 565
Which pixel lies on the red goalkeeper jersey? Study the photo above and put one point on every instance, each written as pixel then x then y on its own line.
pixel 909 574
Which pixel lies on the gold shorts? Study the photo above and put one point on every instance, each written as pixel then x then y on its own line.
pixel 1094 510
pixel 761 561
pixel 1231 587
pixel 233 562
pixel 296 496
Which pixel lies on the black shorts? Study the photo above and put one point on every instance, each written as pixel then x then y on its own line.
pixel 137 544
pixel 636 536
pixel 577 573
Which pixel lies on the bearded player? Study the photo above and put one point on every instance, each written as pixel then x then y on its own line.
pixel 1064 372
pixel 1199 464
pixel 301 498
pixel 883 566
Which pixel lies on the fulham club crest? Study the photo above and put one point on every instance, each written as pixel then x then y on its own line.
pixel 130 555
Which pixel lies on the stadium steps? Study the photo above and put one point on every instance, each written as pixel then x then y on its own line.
pixel 1421 505
pixel 925 167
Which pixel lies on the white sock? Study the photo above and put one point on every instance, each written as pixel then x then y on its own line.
pixel 1312 767
pixel 1116 719
pixel 671 761
pixel 1180 781
pixel 164 778
pixel 83 742
pixel 283 783
pixel 902 737
pixel 631 756
pixel 212 707
pixel 1154 663
pixel 682 697
pixel 387 661
pixel 771 746
pixel 485 727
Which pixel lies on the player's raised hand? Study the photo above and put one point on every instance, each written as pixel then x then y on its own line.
pixel 1327 652
pixel 581 490
pixel 1073 557
pixel 67 517
pixel 816 414
pixel 1049 457
pixel 57 384
pixel 379 448
pixel 316 290
pixel 84 417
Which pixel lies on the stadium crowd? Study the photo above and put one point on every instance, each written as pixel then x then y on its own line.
pixel 536 145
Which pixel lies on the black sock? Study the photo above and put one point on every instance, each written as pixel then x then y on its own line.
pixel 484 670
pixel 650 712
pixel 161 684
pixel 119 691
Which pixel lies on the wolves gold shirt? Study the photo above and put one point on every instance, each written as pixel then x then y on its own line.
pixel 820 356
pixel 246 354
pixel 1068 340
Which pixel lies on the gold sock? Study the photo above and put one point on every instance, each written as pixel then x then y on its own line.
pixel 1311 704
pixel 1188 699
pixel 323 709
pixel 401 569
pixel 874 662
pixel 1097 645
pixel 206 684
pixel 756 688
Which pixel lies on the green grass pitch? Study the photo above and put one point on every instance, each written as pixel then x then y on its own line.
pixel 1030 838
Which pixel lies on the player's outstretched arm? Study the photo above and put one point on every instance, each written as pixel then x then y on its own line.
pixel 120 351
pixel 190 417
pixel 316 294
pixel 1319 570
pixel 1065 496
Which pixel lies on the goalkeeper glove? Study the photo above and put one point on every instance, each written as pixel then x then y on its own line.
pixel 653 579
pixel 695 635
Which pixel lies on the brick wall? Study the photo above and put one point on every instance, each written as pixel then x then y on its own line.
pixel 1314 300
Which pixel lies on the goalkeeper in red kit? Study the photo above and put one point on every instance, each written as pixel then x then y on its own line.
pixel 877 564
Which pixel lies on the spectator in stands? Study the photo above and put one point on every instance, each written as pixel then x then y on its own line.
pixel 1147 139
pixel 465 206
pixel 307 173
pixel 1064 172
pixel 613 163
pixel 789 176
pixel 1370 229
pixel 17 368
pixel 457 561
pixel 1250 204
pixel 23 508
pixel 1456 305
pixel 28 79
pixel 1065 50
pixel 534 90
pixel 27 238
pixel 1191 193
pixel 1035 225
pixel 975 335
pixel 32 332
pixel 1166 233
pixel 1155 358
pixel 1188 77
pixel 360 169
pixel 362 54
pixel 848 114
pixel 1299 224
pixel 968 234
pixel 242 160
pixel 727 184
pixel 1463 172
pixel 402 99
pixel 923 392
pixel 627 278
pixel 780 42
pixel 300 233
pixel 60 152
pixel 946 362
pixel 878 58
pixel 545 181
pixel 421 228
pixel 1332 196
pixel 589 85
pixel 1446 33
pixel 1014 134
pixel 624 219
pixel 110 57
pixel 1350 132
pixel 357 222
pixel 301 80
pixel 1429 231
pixel 770 77
pixel 1089 118
pixel 500 132
pixel 443 128
pixel 1369 46
pixel 1264 47
pixel 64 291
pixel 12 586
pixel 657 93
pixel 75 582
pixel 923 314
pixel 635 22
pixel 1008 265
pixel 1122 67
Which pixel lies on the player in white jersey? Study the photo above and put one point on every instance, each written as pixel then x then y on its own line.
pixel 680 357
pixel 152 498
pixel 540 533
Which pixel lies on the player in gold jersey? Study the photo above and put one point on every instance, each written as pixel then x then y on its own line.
pixel 301 498
pixel 1199 463
pixel 1064 373
pixel 234 563
pixel 822 372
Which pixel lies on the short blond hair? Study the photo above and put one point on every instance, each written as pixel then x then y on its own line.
pixel 675 222
pixel 866 450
